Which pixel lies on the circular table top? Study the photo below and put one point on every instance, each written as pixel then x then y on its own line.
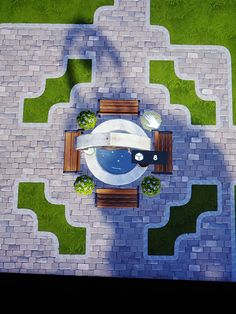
pixel 95 167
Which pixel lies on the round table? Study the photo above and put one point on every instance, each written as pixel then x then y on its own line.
pixel 115 125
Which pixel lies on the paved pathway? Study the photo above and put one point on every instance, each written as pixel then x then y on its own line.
pixel 121 42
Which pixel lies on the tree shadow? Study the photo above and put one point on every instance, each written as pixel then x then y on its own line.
pixel 126 257
pixel 103 48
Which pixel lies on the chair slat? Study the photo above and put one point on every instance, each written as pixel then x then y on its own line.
pixel 117 191
pixel 163 143
pixel 117 198
pixel 114 106
pixel 71 155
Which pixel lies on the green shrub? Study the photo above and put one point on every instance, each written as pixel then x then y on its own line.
pixel 84 185
pixel 151 186
pixel 87 120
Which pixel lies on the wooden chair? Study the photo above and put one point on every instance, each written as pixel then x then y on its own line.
pixel 118 107
pixel 71 155
pixel 163 143
pixel 117 198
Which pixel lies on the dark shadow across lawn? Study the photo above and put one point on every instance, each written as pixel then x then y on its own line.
pixel 183 220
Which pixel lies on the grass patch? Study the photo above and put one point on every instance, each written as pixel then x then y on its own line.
pixel 161 241
pixel 50 11
pixel 57 90
pixel 51 218
pixel 200 22
pixel 183 92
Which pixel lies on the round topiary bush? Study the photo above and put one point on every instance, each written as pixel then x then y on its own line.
pixel 151 186
pixel 87 120
pixel 84 185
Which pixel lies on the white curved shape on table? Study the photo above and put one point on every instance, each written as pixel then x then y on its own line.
pixel 111 139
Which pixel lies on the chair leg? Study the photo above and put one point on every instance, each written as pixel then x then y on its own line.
pixel 95 199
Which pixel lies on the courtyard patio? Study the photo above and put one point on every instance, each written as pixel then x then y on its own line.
pixel 117 59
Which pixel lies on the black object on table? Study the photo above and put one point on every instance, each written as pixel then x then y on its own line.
pixel 147 157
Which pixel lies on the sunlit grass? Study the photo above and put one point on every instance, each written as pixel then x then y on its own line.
pixel 50 11
pixel 200 22
pixel 51 218
pixel 57 90
pixel 182 92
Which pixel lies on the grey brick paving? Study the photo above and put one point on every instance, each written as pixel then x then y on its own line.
pixel 121 44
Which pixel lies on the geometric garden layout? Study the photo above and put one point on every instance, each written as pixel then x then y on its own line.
pixel 49 74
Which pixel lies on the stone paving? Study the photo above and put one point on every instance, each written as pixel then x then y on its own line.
pixel 121 42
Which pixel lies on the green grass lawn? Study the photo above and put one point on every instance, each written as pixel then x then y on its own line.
pixel 51 218
pixel 57 90
pixel 183 92
pixel 200 22
pixel 161 241
pixel 50 11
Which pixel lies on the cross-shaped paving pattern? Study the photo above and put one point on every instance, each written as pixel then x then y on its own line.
pixel 121 43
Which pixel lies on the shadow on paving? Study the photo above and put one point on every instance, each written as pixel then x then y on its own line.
pixel 105 47
pixel 126 256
